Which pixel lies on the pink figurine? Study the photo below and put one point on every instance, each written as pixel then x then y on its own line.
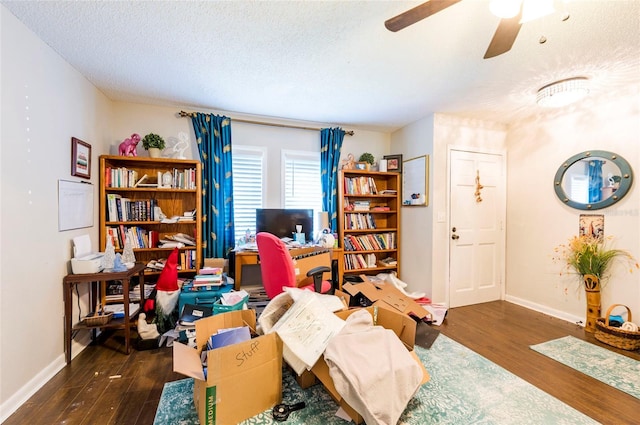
pixel 128 146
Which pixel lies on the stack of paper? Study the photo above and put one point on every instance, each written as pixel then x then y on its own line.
pixel 305 330
pixel 118 310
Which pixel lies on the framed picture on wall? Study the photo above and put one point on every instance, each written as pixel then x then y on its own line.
pixel 592 225
pixel 80 158
pixel 394 163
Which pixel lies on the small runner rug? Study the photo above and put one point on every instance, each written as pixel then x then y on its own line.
pixel 606 366
pixel 465 388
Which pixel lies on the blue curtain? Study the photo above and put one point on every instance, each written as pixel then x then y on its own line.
pixel 595 180
pixel 213 136
pixel 331 144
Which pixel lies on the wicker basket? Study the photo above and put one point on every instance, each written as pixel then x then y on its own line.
pixel 99 319
pixel 616 337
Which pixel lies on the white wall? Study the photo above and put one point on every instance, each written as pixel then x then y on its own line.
pixel 416 236
pixel 537 221
pixel 45 102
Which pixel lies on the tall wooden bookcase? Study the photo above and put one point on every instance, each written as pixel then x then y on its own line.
pixel 369 221
pixel 129 209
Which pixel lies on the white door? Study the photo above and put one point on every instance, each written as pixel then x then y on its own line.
pixel 476 234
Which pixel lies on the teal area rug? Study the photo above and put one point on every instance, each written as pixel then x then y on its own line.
pixel 613 369
pixel 465 388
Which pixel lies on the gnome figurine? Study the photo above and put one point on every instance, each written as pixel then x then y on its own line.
pixel 167 293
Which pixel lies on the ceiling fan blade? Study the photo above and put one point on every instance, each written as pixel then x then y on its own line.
pixel 504 36
pixel 418 13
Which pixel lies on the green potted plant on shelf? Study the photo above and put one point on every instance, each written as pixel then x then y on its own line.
pixel 368 158
pixel 154 144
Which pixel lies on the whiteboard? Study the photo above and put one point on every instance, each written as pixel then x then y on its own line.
pixel 75 205
pixel 415 185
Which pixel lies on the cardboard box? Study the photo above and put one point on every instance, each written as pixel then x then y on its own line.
pixel 386 296
pixel 403 326
pixel 242 379
pixel 305 259
pixel 217 262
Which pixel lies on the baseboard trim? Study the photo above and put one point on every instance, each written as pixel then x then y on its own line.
pixel 21 396
pixel 14 402
pixel 546 310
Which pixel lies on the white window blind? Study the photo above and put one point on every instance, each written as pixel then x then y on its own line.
pixel 302 187
pixel 248 181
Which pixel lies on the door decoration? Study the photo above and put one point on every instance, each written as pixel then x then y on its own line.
pixel 479 187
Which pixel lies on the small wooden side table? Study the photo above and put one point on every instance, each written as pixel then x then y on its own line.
pixel 71 280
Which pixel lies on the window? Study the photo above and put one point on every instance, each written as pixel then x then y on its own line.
pixel 248 182
pixel 302 187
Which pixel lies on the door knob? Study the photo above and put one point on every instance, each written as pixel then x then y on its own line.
pixel 455 237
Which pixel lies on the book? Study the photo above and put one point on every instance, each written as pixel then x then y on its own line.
pixel 207 278
pixel 211 270
pixel 191 313
pixel 229 336
pixel 141 180
pixel 112 209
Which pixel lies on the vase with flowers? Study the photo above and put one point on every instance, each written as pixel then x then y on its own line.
pixel 591 257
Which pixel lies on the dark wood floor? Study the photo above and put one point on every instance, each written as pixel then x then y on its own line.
pixel 87 391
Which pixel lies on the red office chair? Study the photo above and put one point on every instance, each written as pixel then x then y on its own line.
pixel 278 271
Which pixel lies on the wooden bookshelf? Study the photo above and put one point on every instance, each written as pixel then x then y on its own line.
pixel 136 215
pixel 369 221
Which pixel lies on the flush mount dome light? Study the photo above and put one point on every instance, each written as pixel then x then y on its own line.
pixel 563 92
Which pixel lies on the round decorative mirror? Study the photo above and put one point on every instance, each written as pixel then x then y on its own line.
pixel 593 180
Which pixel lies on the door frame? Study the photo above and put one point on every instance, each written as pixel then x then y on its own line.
pixel 503 209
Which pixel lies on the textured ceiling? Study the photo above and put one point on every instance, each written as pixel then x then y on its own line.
pixel 334 61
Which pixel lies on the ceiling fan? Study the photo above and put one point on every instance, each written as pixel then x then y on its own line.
pixel 503 38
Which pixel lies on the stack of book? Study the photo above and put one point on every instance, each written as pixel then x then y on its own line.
pixel 187 216
pixel 208 276
pixel 361 205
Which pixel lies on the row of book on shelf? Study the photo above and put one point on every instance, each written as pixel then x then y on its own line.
pixel 364 205
pixel 370 242
pixel 140 237
pixel 187 260
pixel 122 177
pixel 360 185
pixel 113 292
pixel 124 209
pixel 359 221
pixel 367 261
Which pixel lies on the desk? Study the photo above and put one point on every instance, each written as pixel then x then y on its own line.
pixel 70 281
pixel 246 258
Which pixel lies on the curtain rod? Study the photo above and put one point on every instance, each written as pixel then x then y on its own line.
pixel 190 114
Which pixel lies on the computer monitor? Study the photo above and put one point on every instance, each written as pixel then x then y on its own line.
pixel 282 222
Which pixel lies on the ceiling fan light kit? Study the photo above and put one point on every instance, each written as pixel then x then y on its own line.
pixel 531 9
pixel 512 14
pixel 534 9
pixel 504 8
pixel 563 92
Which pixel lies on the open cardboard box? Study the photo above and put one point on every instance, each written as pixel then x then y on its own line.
pixel 403 326
pixel 217 262
pixel 384 295
pixel 305 259
pixel 242 379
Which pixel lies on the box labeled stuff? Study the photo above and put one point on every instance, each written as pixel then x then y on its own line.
pixel 238 381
